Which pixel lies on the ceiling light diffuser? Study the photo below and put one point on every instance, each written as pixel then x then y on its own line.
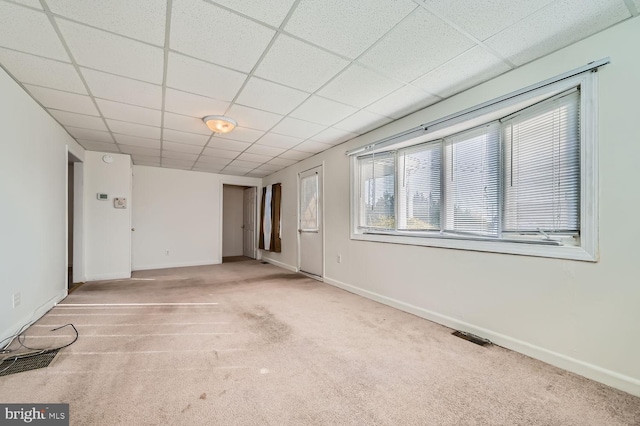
pixel 220 123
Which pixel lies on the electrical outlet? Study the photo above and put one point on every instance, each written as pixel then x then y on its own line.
pixel 16 299
pixel 339 258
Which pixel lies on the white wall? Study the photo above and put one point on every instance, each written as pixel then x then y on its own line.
pixel 107 229
pixel 33 187
pixel 577 315
pixel 179 211
pixel 232 220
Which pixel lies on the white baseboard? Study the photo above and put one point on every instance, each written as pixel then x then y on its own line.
pixel 280 264
pixel 175 265
pixel 590 371
pixel 114 276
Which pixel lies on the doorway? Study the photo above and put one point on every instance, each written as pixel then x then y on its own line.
pixel 238 223
pixel 75 218
pixel 310 225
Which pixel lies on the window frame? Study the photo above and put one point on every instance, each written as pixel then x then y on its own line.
pixel 586 250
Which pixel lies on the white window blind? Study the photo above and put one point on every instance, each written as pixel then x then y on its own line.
pixel 542 167
pixel 472 181
pixel 377 191
pixel 420 190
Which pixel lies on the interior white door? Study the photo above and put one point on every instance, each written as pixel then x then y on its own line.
pixel 249 223
pixel 310 221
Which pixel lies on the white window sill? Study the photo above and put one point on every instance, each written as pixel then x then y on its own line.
pixel 524 249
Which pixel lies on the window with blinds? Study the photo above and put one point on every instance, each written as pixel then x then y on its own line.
pixel 542 167
pixel 513 179
pixel 377 191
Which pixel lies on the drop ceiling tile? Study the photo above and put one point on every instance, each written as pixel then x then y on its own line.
pixel 88 134
pixel 255 158
pixel 362 122
pixel 229 144
pixel 347 27
pixel 257 173
pixel 483 18
pixel 253 118
pixel 298 64
pixel 143 160
pixel 269 96
pixel 183 137
pixel 295 155
pixel 212 161
pixel 185 124
pixel 99 49
pixel 322 111
pixel 193 105
pixel 219 153
pixel 270 168
pixel 138 150
pixel 130 113
pixel 333 136
pixel 180 155
pixel 195 76
pixel 556 26
pixel 133 129
pixel 467 70
pixel 421 32
pixel 242 134
pixel 78 120
pixel 140 19
pixel 403 101
pixel 42 72
pixel 359 86
pixel 210 169
pixel 240 171
pixel 272 139
pixel 265 150
pixel 31 3
pixel 63 100
pixel 297 128
pixel 137 141
pixel 272 12
pixel 282 162
pixel 29 31
pixel 209 32
pixel 177 163
pixel 312 147
pixel 245 164
pixel 121 89
pixel 98 146
pixel 180 147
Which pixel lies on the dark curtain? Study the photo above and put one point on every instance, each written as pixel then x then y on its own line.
pixel 275 244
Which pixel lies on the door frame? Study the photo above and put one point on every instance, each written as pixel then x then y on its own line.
pixel 238 181
pixel 78 219
pixel 321 207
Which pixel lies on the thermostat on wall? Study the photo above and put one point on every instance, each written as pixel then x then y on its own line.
pixel 103 196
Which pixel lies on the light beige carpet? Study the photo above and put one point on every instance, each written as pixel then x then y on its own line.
pixel 246 343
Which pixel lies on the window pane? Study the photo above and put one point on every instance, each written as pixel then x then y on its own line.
pixel 542 167
pixel 377 191
pixel 309 203
pixel 472 181
pixel 420 170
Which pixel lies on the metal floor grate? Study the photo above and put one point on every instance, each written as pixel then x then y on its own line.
pixel 472 338
pixel 26 362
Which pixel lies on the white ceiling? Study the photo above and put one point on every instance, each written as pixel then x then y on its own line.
pixel 299 76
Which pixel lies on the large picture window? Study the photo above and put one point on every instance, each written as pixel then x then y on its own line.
pixel 521 181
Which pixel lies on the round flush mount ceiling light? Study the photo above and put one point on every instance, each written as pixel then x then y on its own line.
pixel 220 123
